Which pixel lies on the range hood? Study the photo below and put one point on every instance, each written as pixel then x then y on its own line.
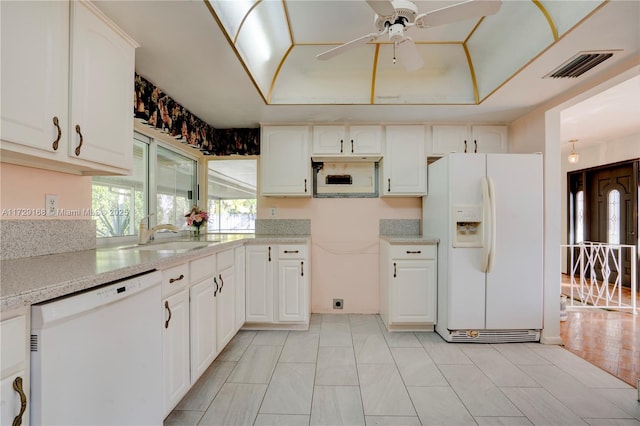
pixel 346 158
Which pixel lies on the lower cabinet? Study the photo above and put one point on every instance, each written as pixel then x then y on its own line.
pixel 277 285
pixel 408 286
pixel 203 326
pixel 14 365
pixel 175 349
pixel 226 298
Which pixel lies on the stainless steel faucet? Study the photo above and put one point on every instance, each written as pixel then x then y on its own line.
pixel 145 235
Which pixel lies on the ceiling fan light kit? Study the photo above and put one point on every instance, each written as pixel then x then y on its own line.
pixel 397 16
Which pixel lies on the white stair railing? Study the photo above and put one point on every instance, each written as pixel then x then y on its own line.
pixel 596 275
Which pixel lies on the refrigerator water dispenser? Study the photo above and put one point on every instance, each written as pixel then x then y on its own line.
pixel 468 230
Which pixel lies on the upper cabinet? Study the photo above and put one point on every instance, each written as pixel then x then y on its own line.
pixel 469 139
pixel 285 163
pixel 340 140
pixel 404 165
pixel 67 104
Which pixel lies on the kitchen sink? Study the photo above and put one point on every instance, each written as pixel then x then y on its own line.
pixel 173 246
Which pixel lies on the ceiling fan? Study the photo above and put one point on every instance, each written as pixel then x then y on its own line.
pixel 395 17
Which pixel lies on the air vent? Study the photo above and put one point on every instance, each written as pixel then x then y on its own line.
pixel 339 180
pixel 579 64
pixel 34 343
pixel 494 336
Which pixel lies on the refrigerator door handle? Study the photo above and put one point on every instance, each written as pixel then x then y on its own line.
pixel 492 249
pixel 486 213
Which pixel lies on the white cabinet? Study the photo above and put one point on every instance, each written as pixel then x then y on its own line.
pixel 277 284
pixel 202 312
pixel 468 139
pixel 285 163
pixel 408 286
pixel 293 284
pixel 404 166
pixel 175 349
pixel 14 367
pixel 66 105
pixel 340 140
pixel 259 283
pixel 226 297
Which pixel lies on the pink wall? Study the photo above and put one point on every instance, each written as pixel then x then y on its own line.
pixel 23 189
pixel 344 244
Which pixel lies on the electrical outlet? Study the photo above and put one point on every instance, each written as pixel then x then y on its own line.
pixel 338 303
pixel 51 204
pixel 273 212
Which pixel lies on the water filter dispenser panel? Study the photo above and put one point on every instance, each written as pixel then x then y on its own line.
pixel 468 230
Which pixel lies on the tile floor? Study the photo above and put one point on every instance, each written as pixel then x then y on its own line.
pixel 347 370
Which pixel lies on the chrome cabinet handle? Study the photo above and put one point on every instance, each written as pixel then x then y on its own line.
pixel 301 268
pixel 173 280
pixel 465 146
pixel 341 141
pixel 81 140
pixel 215 292
pixel 221 282
pixel 56 123
pixel 395 272
pixel 166 306
pixel 17 386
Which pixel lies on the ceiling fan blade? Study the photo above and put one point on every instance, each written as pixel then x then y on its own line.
pixel 349 45
pixel 382 7
pixel 408 54
pixel 458 12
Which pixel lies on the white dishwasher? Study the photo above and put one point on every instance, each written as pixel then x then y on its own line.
pixel 96 356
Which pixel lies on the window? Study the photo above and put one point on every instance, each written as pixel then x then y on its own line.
pixel 231 196
pixel 579 217
pixel 613 213
pixel 163 182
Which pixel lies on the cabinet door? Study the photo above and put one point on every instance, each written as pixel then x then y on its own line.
pixel 259 283
pixel 35 58
pixel 364 140
pixel 292 290
pixel 285 162
pixel 226 300
pixel 329 140
pixel 413 291
pixel 102 84
pixel 175 348
pixel 202 309
pixel 240 286
pixel 446 139
pixel 489 138
pixel 405 163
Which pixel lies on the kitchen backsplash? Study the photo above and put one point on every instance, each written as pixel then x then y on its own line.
pixel 283 227
pixel 400 227
pixel 26 238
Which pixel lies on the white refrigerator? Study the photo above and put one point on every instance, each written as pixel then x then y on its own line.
pixel 486 209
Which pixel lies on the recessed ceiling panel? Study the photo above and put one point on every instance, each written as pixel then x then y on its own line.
pixel 503 43
pixel 231 13
pixel 263 42
pixel 345 79
pixel 444 79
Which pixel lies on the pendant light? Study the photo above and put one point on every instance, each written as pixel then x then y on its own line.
pixel 573 157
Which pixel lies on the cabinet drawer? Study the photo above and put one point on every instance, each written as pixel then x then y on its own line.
pixel 225 259
pixel 174 279
pixel 413 252
pixel 292 252
pixel 14 342
pixel 202 268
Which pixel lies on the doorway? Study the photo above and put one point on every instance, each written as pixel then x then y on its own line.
pixel 603 207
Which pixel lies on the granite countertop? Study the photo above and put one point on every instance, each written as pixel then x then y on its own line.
pixel 29 280
pixel 409 239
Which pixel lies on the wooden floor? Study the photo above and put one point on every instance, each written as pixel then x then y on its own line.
pixel 606 338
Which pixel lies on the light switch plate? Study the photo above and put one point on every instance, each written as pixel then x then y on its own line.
pixel 51 204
